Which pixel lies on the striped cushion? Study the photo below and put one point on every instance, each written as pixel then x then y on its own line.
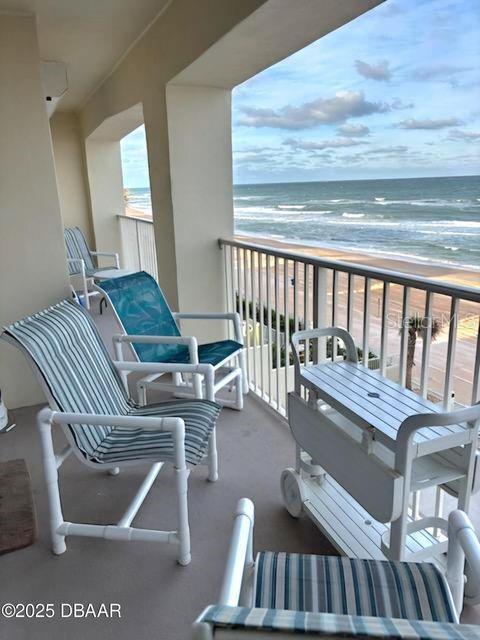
pixel 328 624
pixel 76 247
pixel 65 345
pixel 334 584
pixel 134 444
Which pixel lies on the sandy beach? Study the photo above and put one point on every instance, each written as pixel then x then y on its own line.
pixel 443 272
pixel 468 317
pixel 468 321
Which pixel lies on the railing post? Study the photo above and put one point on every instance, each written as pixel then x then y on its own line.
pixel 139 249
pixel 448 389
pixel 266 282
pixel 320 293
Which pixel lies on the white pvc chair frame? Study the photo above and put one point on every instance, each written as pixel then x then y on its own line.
pixel 236 375
pixel 50 417
pixel 237 585
pixel 87 288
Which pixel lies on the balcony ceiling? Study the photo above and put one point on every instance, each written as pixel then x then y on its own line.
pixel 88 35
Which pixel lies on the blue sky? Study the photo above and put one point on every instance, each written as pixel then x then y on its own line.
pixel 394 93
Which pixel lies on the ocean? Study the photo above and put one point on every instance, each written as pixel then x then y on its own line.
pixel 427 219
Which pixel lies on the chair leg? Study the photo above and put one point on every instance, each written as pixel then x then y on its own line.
pixel 212 458
pixel 239 392
pixel 197 386
pixel 242 363
pixel 184 557
pixel 142 394
pixel 51 481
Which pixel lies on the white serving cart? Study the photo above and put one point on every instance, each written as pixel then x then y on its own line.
pixel 364 444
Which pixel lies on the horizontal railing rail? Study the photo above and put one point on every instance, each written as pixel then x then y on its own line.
pixel 417 282
pixel 405 325
pixel 138 244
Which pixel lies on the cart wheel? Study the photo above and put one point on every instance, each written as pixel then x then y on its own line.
pixel 293 492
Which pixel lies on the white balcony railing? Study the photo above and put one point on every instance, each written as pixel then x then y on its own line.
pixel 138 244
pixel 278 292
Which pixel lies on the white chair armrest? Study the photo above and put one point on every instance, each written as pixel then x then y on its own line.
pixel 107 254
pixel 188 341
pixel 463 545
pixel 171 424
pixel 240 554
pixel 205 370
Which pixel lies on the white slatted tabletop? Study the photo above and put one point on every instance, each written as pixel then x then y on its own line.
pixel 374 402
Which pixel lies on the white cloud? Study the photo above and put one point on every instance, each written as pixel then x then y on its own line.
pixel 308 145
pixel 380 71
pixel 442 72
pixel 469 136
pixel 440 123
pixel 335 110
pixel 353 130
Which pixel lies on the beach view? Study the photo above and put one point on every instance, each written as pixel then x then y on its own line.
pixel 368 159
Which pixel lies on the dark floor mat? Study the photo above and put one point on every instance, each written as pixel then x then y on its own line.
pixel 17 512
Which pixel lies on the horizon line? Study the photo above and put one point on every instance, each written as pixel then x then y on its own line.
pixel 243 184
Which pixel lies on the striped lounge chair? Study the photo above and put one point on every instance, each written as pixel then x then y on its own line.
pixel 104 428
pixel 289 594
pixel 151 328
pixel 81 264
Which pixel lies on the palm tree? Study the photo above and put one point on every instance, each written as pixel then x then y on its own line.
pixel 417 326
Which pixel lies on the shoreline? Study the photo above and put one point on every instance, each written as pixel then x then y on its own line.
pixel 454 274
pixel 451 273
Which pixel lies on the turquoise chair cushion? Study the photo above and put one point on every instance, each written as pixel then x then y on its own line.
pixel 143 310
pixel 211 353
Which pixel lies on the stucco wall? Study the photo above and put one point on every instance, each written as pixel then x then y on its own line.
pixel 68 151
pixel 33 272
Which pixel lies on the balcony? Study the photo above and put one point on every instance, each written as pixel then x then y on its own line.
pixel 149 69
pixel 157 597
pixel 276 292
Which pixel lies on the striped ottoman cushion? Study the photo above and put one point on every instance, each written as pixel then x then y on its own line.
pixel 329 624
pixel 333 584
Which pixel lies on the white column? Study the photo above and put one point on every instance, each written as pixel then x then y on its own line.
pixel 104 167
pixel 32 254
pixel 199 133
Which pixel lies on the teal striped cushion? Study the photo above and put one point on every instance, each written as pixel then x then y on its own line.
pixel 334 584
pixel 66 347
pixel 333 625
pixel 76 247
pixel 134 444
pixel 64 343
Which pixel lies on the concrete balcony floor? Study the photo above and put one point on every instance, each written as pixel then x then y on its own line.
pixel 158 598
